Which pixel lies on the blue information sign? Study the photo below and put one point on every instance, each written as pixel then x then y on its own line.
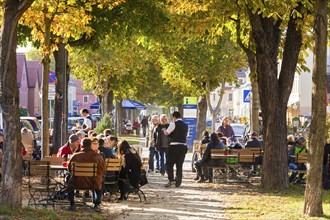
pixel 191 122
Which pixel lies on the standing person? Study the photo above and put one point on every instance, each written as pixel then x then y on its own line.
pixel 150 142
pixel 177 150
pixel 27 141
pixel 226 129
pixel 87 125
pixel 162 142
pixel 144 124
pixel 87 155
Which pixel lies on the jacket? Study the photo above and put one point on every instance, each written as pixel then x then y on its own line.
pixel 131 169
pixel 158 136
pixel 87 156
pixel 66 150
pixel 209 146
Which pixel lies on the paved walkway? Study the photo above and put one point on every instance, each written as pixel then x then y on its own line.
pixel 190 201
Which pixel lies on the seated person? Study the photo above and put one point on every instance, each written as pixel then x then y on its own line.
pixel 253 142
pixel 299 147
pixel 131 171
pixel 106 146
pixel 87 155
pixel 72 146
pixel 107 132
pixel 206 138
pixel 326 161
pixel 206 160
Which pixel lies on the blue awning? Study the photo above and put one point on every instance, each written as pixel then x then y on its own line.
pixel 95 105
pixel 131 104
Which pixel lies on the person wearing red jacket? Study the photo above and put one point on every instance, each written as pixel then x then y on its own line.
pixel 71 147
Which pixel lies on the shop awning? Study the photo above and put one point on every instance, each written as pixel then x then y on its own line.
pixel 95 105
pixel 131 104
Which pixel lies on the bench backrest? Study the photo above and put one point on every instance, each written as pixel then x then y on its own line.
pixel 202 149
pixel 255 150
pixel 196 145
pixel 245 156
pixel 302 158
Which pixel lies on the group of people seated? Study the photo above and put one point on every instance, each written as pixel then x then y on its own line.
pixel 217 140
pixel 92 149
pixel 297 146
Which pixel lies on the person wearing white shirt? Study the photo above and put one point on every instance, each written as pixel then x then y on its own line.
pixel 177 150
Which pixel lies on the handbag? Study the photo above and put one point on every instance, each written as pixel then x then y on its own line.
pixel 143 178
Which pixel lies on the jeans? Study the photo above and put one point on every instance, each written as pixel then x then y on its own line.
pixel 176 155
pixel 97 197
pixel 294 166
pixel 144 130
pixel 152 153
pixel 162 159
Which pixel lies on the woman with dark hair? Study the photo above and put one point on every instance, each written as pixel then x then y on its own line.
pixel 201 165
pixel 131 170
pixel 206 137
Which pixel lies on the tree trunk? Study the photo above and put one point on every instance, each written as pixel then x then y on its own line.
pixel 313 191
pixel 59 69
pixel 107 102
pixel 66 101
pixel 45 104
pixel 274 91
pixel 201 118
pixel 119 118
pixel 216 111
pixel 249 51
pixel 11 181
pixel 180 109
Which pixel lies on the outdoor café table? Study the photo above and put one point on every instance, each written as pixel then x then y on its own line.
pixel 58 167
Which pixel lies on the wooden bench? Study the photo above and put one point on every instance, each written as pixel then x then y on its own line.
pixel 202 149
pixel 300 158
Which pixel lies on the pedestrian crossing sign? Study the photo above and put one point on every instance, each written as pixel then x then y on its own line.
pixel 247 95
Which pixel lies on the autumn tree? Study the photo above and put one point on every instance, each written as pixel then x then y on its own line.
pixel 313 191
pixel 11 181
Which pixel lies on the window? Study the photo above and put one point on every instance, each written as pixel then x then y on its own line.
pixel 241 81
pixel 213 96
pixel 230 97
pixel 85 99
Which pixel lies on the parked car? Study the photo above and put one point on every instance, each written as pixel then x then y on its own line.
pixel 75 122
pixel 35 127
pixel 240 132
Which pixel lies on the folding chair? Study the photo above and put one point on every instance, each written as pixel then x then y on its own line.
pixel 143 181
pixel 83 170
pixel 113 167
pixel 40 187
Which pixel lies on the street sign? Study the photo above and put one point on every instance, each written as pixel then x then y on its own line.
pixel 51 92
pixel 247 95
pixel 52 77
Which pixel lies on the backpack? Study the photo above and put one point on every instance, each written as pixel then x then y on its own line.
pixel 93 123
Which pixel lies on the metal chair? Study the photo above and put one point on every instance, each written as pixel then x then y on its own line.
pixel 41 189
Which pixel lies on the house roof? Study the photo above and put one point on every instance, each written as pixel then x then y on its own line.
pixel 21 64
pixel 33 68
pixel 80 90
